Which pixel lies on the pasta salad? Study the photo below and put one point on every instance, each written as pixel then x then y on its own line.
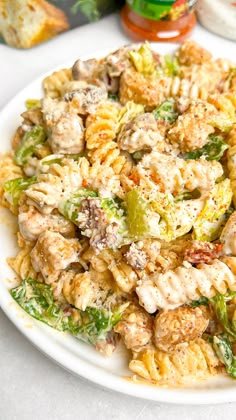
pixel 123 181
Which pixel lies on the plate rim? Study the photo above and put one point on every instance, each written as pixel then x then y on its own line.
pixel 96 374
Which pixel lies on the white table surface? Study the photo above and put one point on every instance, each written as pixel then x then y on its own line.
pixel 33 387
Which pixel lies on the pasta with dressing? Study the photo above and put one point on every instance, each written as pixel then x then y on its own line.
pixel 121 178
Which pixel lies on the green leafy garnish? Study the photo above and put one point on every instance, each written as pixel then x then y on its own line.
pixel 56 158
pixel 37 300
pixel 213 150
pixel 143 60
pixel 31 139
pixel 90 325
pixel 210 221
pixel 166 111
pixel 14 188
pixel 128 112
pixel 156 216
pixel 223 349
pixel 218 303
pixel 96 323
pixel 138 214
pixel 171 66
pixel 201 301
pixel 70 206
pixel 32 103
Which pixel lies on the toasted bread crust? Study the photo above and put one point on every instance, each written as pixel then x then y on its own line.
pixel 25 23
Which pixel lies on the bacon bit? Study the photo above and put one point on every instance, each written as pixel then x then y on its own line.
pixel 133 177
pixel 85 183
pixel 197 252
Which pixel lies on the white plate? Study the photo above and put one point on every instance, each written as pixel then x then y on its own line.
pixel 68 352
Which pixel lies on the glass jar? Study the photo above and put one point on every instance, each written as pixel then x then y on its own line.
pixel 156 20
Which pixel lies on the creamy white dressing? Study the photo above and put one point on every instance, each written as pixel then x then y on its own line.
pixel 184 284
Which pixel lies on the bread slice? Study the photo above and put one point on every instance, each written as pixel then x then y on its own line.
pixel 25 23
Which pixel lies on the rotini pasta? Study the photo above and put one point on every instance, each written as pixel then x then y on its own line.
pixel 22 264
pixel 101 130
pixel 184 284
pixel 196 360
pixel 53 84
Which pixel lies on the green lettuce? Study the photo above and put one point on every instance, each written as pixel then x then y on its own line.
pixel 69 207
pixel 57 158
pixel 139 215
pixel 143 60
pixel 14 188
pixel 112 208
pixel 32 103
pixel 224 352
pixel 213 150
pixel 171 66
pixel 96 323
pixel 219 304
pixel 129 112
pixel 210 221
pixel 166 111
pixel 156 216
pixel 90 325
pixel 31 139
pixel 37 300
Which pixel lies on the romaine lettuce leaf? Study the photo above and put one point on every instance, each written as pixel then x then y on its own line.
pixel 218 303
pixel 31 139
pixel 224 352
pixel 210 221
pixel 37 300
pixel 129 112
pixel 159 216
pixel 90 325
pixel 14 188
pixel 143 60
pixel 213 150
pixel 69 207
pixel 171 66
pixel 166 111
pixel 32 103
pixel 140 216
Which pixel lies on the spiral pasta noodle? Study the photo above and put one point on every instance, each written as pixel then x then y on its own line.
pixel 53 84
pixel 197 360
pixel 48 191
pixel 22 264
pixel 162 291
pixel 101 131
